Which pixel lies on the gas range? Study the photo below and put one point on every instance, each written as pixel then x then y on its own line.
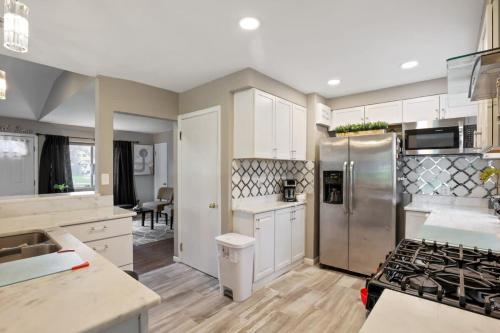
pixel 454 275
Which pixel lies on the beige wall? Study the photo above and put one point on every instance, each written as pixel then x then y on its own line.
pixel 128 97
pixel 418 89
pixel 220 92
pixel 314 134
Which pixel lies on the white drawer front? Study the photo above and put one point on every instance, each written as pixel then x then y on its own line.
pixel 99 230
pixel 118 250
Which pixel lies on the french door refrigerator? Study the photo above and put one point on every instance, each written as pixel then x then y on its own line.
pixel 358 198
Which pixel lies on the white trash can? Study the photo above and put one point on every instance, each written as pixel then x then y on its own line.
pixel 235 257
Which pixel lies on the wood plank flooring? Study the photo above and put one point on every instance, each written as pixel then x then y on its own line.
pixel 307 299
pixel 151 256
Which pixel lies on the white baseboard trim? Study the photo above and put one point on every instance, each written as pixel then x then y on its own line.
pixel 311 262
pixel 177 259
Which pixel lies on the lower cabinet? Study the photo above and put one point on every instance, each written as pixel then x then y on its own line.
pixel 264 244
pixel 111 238
pixel 282 238
pixel 279 238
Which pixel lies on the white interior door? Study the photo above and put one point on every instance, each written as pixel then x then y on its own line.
pixel 17 165
pixel 199 189
pixel 160 167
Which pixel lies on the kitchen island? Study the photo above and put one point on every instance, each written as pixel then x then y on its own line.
pixel 99 298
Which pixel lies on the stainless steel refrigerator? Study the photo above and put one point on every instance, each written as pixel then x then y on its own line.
pixel 358 198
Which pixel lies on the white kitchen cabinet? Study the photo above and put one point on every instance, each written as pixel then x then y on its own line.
pixel 422 108
pixel 268 127
pixel 298 232
pixel 299 133
pixel 348 116
pixel 282 238
pixel 110 238
pixel 323 115
pixel 459 106
pixel 279 239
pixel 264 125
pixel 391 113
pixel 264 245
pixel 413 222
pixel 283 137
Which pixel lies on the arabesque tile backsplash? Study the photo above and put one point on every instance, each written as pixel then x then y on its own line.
pixel 446 175
pixel 251 178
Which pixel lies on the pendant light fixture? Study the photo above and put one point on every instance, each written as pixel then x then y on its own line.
pixel 3 85
pixel 15 26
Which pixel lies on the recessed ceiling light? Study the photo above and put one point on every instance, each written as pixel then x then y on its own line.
pixel 249 23
pixel 334 82
pixel 409 64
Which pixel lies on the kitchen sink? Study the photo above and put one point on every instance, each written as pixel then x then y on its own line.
pixel 27 245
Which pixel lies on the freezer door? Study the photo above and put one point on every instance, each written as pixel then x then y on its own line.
pixel 372 205
pixel 334 222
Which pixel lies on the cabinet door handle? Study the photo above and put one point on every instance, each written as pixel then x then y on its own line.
pixel 100 249
pixel 99 229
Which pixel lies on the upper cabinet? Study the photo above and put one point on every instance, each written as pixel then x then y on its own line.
pixel 422 108
pixel 299 132
pixel 323 114
pixel 348 116
pixel 391 113
pixel 266 126
pixel 460 106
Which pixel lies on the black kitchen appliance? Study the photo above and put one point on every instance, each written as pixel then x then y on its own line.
pixel 289 187
pixel 458 276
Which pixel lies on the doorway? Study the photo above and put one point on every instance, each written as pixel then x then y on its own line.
pixel 144 180
pixel 199 188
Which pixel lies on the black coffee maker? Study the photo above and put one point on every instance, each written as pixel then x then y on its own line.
pixel 289 186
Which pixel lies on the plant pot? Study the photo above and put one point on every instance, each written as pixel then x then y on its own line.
pixel 360 133
pixel 492 200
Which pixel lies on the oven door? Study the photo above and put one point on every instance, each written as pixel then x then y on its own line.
pixel 436 140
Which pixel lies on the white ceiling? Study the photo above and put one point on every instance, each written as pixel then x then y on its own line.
pixel 177 45
pixel 28 86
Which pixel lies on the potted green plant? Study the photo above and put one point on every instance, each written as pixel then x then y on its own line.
pixel 377 127
pixel 494 174
pixel 61 188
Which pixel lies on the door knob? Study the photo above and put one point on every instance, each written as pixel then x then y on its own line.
pixel 212 205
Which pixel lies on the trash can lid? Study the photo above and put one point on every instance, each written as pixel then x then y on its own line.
pixel 235 241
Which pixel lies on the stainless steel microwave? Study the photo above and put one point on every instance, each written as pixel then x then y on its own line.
pixel 445 136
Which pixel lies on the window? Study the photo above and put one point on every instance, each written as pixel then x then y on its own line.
pixel 82 158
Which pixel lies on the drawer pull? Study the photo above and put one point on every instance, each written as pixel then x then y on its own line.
pixel 100 249
pixel 103 228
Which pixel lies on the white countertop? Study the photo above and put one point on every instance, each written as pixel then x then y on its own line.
pixel 397 312
pixel 466 222
pixel 266 207
pixel 86 300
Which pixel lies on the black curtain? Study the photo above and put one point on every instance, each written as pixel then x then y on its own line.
pixel 123 173
pixel 55 165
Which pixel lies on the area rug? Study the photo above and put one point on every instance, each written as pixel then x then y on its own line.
pixel 144 235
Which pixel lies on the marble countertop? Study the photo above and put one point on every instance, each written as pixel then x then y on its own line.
pixel 464 222
pixel 261 206
pixel 86 300
pixel 397 312
pixel 46 221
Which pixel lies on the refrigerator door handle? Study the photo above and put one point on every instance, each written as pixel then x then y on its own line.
pixel 344 189
pixel 351 188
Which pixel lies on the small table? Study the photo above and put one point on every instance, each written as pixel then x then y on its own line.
pixel 143 211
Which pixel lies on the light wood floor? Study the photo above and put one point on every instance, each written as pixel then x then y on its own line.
pixel 307 299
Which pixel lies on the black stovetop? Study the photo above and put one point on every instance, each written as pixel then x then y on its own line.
pixel 455 275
